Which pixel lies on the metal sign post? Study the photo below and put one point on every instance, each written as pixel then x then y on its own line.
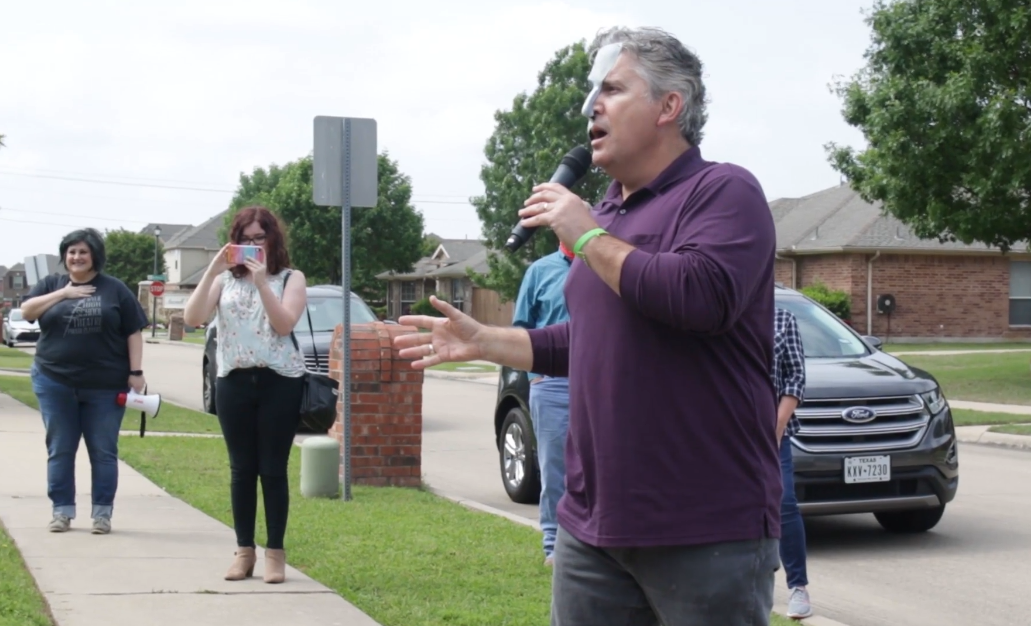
pixel 345 174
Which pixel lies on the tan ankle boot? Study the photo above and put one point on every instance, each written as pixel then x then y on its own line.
pixel 275 566
pixel 243 565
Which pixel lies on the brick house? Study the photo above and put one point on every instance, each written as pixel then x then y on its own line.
pixel 444 273
pixel 942 291
pixel 15 286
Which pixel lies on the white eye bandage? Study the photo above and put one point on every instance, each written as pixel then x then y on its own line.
pixel 604 61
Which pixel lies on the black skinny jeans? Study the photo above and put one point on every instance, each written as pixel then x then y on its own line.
pixel 259 411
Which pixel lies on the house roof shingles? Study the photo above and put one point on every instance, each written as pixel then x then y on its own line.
pixel 451 262
pixel 167 230
pixel 838 219
pixel 193 279
pixel 204 236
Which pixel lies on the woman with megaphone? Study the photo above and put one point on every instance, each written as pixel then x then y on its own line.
pixel 90 350
pixel 258 389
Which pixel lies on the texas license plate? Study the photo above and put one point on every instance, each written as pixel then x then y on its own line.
pixel 867 469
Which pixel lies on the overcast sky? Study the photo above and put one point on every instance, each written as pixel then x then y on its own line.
pixel 191 94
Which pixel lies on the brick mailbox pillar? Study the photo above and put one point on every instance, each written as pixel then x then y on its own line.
pixel 386 407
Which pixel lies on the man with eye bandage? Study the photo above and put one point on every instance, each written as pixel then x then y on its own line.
pixel 671 513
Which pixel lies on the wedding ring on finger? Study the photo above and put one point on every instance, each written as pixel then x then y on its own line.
pixel 430 346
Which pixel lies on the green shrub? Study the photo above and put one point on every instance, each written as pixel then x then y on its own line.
pixel 380 311
pixel 837 301
pixel 423 307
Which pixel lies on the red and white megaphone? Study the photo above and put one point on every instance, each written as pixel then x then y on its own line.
pixel 149 404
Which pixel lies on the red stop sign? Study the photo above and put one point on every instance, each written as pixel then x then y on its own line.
pixel 157 288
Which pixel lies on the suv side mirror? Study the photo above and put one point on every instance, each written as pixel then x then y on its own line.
pixel 873 341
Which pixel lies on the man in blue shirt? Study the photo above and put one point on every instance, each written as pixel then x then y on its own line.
pixel 541 303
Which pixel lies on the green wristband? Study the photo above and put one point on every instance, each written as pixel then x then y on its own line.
pixel 591 234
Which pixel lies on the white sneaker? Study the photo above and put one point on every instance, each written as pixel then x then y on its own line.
pixel 101 526
pixel 798 604
pixel 60 523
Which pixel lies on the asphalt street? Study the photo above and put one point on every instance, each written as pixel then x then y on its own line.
pixel 974 568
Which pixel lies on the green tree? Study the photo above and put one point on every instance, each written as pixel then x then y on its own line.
pixel 944 102
pixel 130 256
pixel 254 188
pixel 528 142
pixel 386 237
pixel 430 243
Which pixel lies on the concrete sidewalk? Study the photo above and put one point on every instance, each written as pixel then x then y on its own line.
pixel 163 563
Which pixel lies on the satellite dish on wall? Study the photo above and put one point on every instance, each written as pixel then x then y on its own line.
pixel 886 303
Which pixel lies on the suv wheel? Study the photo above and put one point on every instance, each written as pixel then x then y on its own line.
pixel 208 388
pixel 519 472
pixel 919 521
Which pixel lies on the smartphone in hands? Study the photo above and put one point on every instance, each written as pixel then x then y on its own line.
pixel 237 255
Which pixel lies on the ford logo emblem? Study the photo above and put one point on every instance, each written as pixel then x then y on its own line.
pixel 858 414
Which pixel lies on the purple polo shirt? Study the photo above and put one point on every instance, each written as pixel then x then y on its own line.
pixel 672 425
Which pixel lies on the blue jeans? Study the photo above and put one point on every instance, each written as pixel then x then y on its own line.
pixel 71 414
pixel 792 529
pixel 549 412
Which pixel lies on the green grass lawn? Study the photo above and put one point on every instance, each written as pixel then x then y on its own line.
pixel 473 368
pixel 1013 429
pixel 1002 378
pixel 964 417
pixel 938 347
pixel 404 556
pixel 12 358
pixel 170 419
pixel 196 337
pixel 21 603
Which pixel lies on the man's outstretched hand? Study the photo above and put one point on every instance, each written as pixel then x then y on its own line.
pixel 454 338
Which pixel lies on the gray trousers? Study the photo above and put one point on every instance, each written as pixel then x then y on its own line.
pixel 729 584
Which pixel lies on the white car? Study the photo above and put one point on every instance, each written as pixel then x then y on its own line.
pixel 17 329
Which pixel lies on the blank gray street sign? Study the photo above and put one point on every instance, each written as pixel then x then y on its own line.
pixel 346 174
pixel 331 152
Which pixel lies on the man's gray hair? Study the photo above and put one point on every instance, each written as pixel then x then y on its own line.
pixel 667 65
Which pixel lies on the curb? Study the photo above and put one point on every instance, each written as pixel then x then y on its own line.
pixel 166 342
pixel 158 433
pixel 487 379
pixel 1020 442
pixel 815 620
pixel 472 504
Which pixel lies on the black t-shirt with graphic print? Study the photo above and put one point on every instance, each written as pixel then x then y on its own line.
pixel 83 341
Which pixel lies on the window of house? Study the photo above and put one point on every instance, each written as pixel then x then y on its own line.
pixel 407 296
pixel 1020 293
pixel 457 294
pixel 17 281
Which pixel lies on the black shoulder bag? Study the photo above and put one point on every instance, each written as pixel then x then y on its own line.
pixel 319 399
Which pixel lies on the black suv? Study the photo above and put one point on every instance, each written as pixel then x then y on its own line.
pixel 877 435
pixel 326 307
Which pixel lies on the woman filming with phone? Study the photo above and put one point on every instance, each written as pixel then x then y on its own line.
pixel 260 380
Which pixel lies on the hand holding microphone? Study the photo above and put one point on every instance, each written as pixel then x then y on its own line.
pixel 553 205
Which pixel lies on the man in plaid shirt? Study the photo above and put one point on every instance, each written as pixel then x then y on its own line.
pixel 789 380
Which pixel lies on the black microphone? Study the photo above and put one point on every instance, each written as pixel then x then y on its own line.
pixel 573 167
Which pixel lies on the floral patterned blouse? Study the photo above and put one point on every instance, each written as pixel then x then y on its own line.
pixel 245 335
